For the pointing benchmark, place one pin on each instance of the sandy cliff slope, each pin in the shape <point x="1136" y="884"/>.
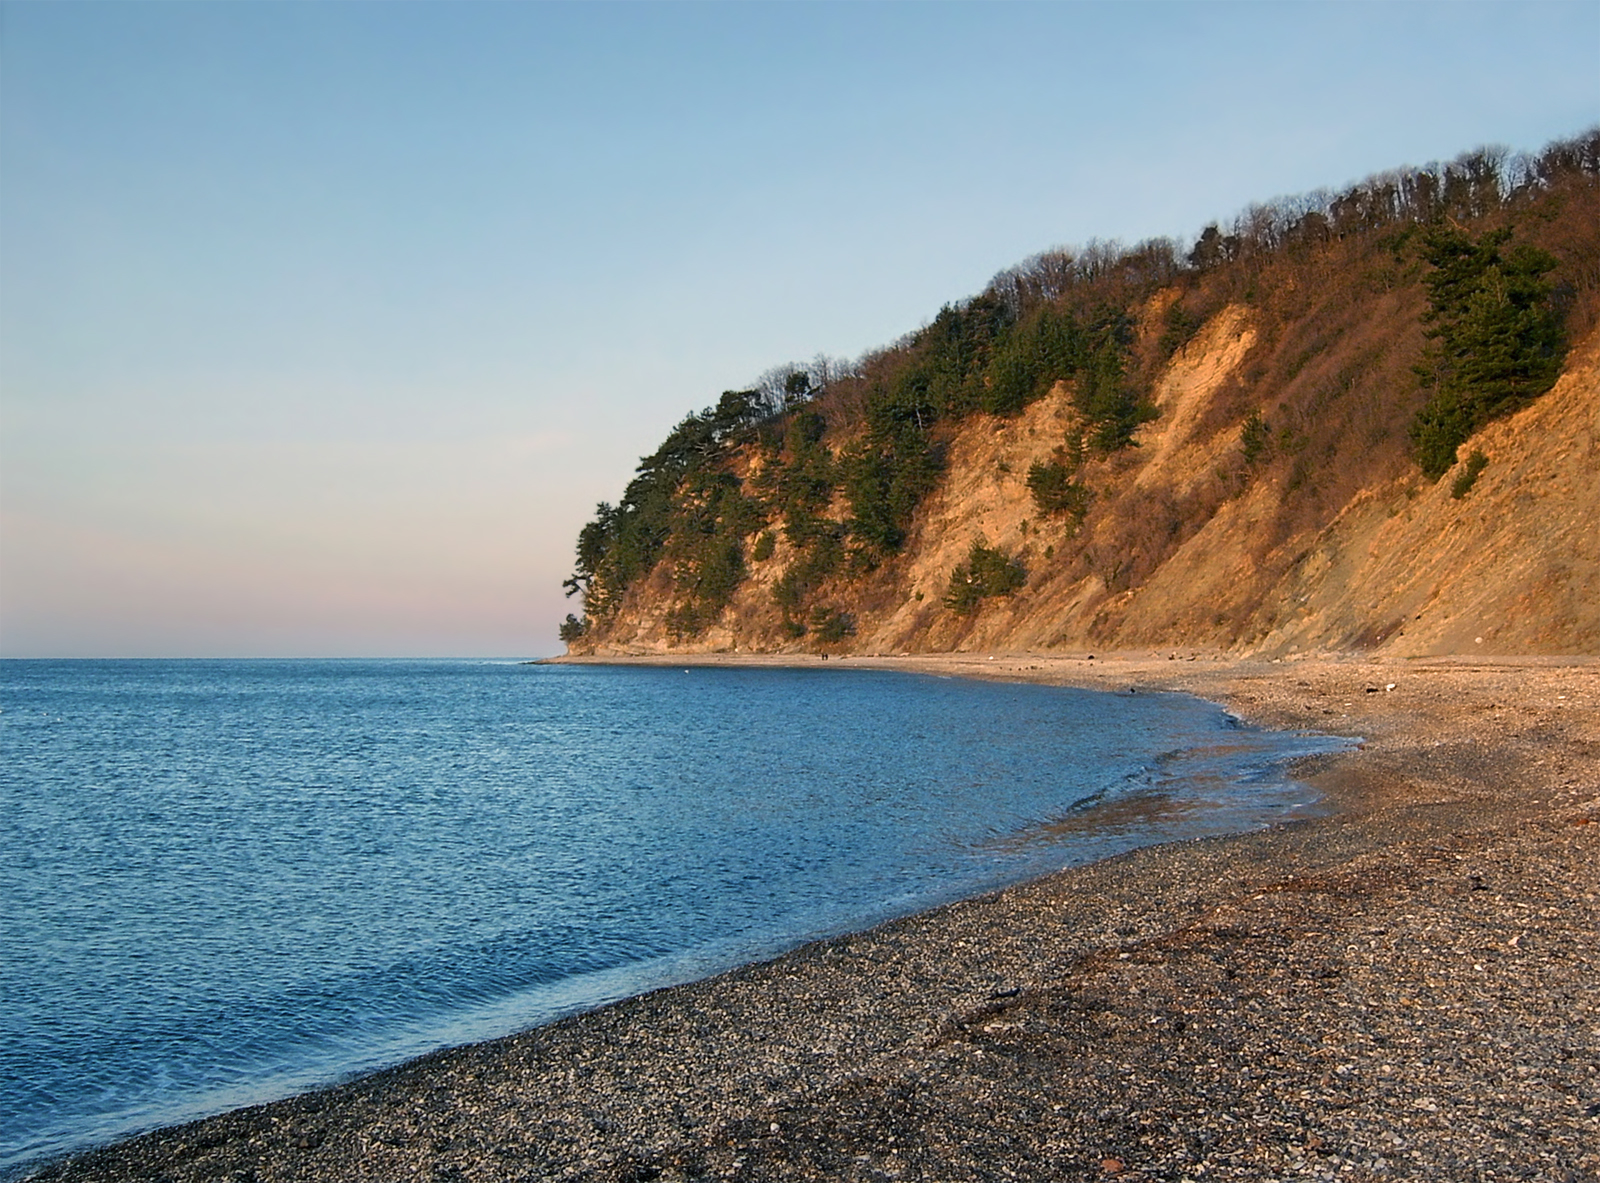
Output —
<point x="1185" y="545"/>
<point x="1512" y="567"/>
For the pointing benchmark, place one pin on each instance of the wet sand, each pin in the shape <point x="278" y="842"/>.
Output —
<point x="1408" y="989"/>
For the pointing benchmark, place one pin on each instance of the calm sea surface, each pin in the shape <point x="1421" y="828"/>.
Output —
<point x="222" y="882"/>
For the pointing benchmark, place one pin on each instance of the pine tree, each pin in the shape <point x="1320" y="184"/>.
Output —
<point x="1495" y="339"/>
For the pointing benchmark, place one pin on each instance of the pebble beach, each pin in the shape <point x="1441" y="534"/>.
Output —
<point x="1405" y="988"/>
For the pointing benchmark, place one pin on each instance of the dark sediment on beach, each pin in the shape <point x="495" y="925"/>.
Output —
<point x="1407" y="989"/>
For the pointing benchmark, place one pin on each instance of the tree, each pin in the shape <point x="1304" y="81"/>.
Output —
<point x="1255" y="439"/>
<point x="803" y="482"/>
<point x="1213" y="248"/>
<point x="1045" y="347"/>
<point x="593" y="542"/>
<point x="1056" y="493"/>
<point x="1104" y="395"/>
<point x="1495" y="338"/>
<point x="987" y="572"/>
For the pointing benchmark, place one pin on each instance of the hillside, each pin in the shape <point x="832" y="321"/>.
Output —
<point x="1364" y="421"/>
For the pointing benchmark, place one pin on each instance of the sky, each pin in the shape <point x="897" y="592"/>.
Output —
<point x="323" y="327"/>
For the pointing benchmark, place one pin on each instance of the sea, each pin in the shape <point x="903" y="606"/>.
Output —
<point x="223" y="882"/>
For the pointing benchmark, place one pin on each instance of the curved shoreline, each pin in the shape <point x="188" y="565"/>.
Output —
<point x="1410" y="988"/>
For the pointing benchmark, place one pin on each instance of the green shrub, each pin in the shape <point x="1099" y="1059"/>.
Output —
<point x="764" y="546"/>
<point x="1255" y="441"/>
<point x="1475" y="465"/>
<point x="1181" y="326"/>
<point x="1056" y="493"/>
<point x="987" y="572"/>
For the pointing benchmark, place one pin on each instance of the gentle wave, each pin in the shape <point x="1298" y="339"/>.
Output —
<point x="222" y="882"/>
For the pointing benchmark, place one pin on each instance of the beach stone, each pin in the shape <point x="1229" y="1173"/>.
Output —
<point x="1334" y="1021"/>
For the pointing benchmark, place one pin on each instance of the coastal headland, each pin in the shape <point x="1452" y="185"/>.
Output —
<point x="1407" y="988"/>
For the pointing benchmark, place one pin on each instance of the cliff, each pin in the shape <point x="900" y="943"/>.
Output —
<point x="1267" y="497"/>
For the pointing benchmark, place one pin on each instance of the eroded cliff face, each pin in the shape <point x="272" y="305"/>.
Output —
<point x="1511" y="567"/>
<point x="1187" y="544"/>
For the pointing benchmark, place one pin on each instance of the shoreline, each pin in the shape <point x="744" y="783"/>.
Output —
<point x="1408" y="988"/>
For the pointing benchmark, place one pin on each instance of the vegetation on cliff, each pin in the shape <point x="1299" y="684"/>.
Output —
<point x="1496" y="336"/>
<point x="988" y="571"/>
<point x="1391" y="320"/>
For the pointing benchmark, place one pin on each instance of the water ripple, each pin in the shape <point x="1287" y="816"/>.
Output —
<point x="226" y="881"/>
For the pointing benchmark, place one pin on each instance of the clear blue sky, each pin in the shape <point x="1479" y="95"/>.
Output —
<point x="324" y="326"/>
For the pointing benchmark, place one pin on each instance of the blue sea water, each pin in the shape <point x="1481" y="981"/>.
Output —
<point x="227" y="881"/>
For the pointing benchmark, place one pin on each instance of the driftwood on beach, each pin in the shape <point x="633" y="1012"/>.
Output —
<point x="1409" y="988"/>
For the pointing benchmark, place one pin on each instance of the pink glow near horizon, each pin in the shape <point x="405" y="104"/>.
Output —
<point x="324" y="327"/>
